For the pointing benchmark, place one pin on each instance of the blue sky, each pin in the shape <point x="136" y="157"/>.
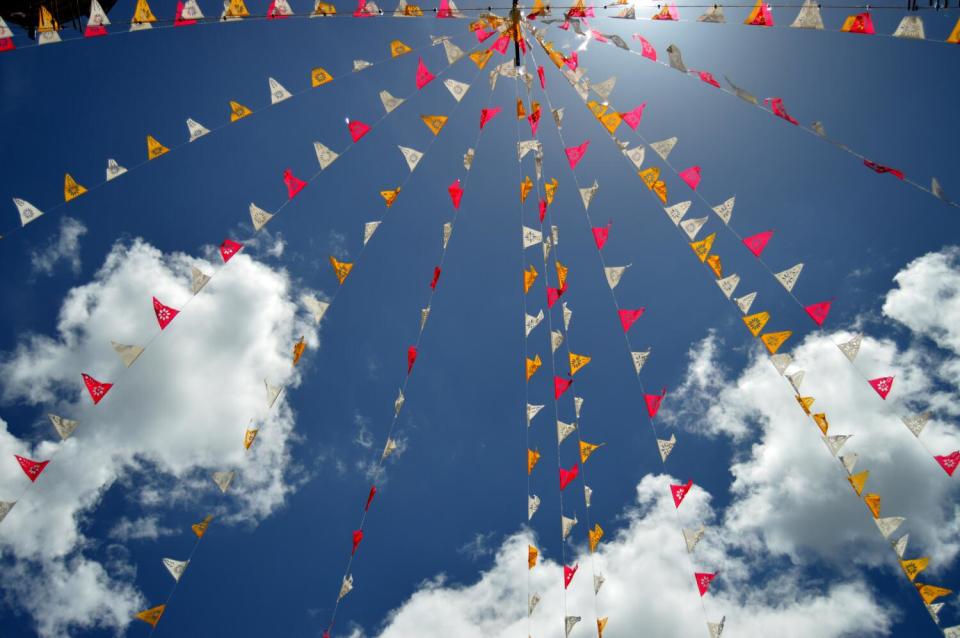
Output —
<point x="454" y="499"/>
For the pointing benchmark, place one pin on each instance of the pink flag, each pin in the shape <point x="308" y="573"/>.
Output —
<point x="361" y="11"/>
<point x="357" y="130"/>
<point x="553" y="294"/>
<point x="456" y="193"/>
<point x="703" y="581"/>
<point x="599" y="37"/>
<point x="228" y="249"/>
<point x="647" y="49"/>
<point x="949" y="462"/>
<point x="707" y="77"/>
<point x="756" y="243"/>
<point x="880" y="168"/>
<point x="680" y="492"/>
<point x="565" y="26"/>
<point x="543" y="209"/>
<point x="165" y="314"/>
<point x="373" y="492"/>
<point x="6" y="44"/>
<point x="488" y="114"/>
<point x="632" y="118"/>
<point x="560" y="386"/>
<point x="436" y="278"/>
<point x="272" y="13"/>
<point x="568" y="475"/>
<point x="543" y="79"/>
<point x="424" y="77"/>
<point x="92" y="31"/>
<point x="572" y="61"/>
<point x="600" y="234"/>
<point x="294" y="184"/>
<point x="653" y="402"/>
<point x="32" y="468"/>
<point x="628" y="317"/>
<point x="568" y="574"/>
<point x="691" y="176"/>
<point x="411" y="358"/>
<point x="500" y="46"/>
<point x="482" y="34"/>
<point x="882" y="385"/>
<point x="444" y="10"/>
<point x="819" y="311"/>
<point x="178" y="20"/>
<point x="576" y="153"/>
<point x="534" y="119"/>
<point x="776" y="105"/>
<point x="96" y="389"/>
<point x="357" y="537"/>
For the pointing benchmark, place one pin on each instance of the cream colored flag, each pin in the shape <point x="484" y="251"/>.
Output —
<point x="692" y="226"/>
<point x="916" y="422"/>
<point x="781" y="361"/>
<point x="64" y="427"/>
<point x="532" y="321"/>
<point x="316" y="307"/>
<point x="716" y="628"/>
<point x="531" y="237"/>
<point x="745" y="302"/>
<point x="176" y="567"/>
<point x="564" y="430"/>
<point x="28" y="212"/>
<point x="273" y="391"/>
<point x="605" y="88"/>
<point x="852" y="347"/>
<point x="389" y="102"/>
<point x="729" y="284"/>
<point x="725" y="210"/>
<point x="360" y="65"/>
<point x="198" y="279"/>
<point x="567" y="315"/>
<point x="849" y="462"/>
<point x="453" y="52"/>
<point x="566" y="525"/>
<point x="666" y="446"/>
<point x="532" y="411"/>
<point x="412" y="156"/>
<point x="640" y="359"/>
<point x="259" y="217"/>
<point x="526" y="146"/>
<point x="636" y="156"/>
<point x="663" y="147"/>
<point x="223" y="480"/>
<point x="889" y="525"/>
<point x="692" y="537"/>
<point x="468" y="158"/>
<point x="788" y="278"/>
<point x="598" y="581"/>
<point x="388" y="449"/>
<point x="532" y="603"/>
<point x="345" y="587"/>
<point x="900" y="545"/>
<point x="368" y="230"/>
<point x="677" y="211"/>
<point x="796" y="379"/>
<point x="5" y="507"/>
<point x="277" y="92"/>
<point x="533" y="503"/>
<point x="835" y="442"/>
<point x="556" y="340"/>
<point x="713" y="14"/>
<point x="577" y="404"/>
<point x="557" y="116"/>
<point x="114" y="170"/>
<point x="398" y="402"/>
<point x="809" y="16"/>
<point x="447" y="233"/>
<point x="910" y="27"/>
<point x="457" y="89"/>
<point x="196" y="130"/>
<point x="191" y="11"/>
<point x="424" y="315"/>
<point x="128" y="354"/>
<point x="615" y="274"/>
<point x="587" y="194"/>
<point x="569" y="623"/>
<point x="587" y="494"/>
<point x="325" y="156"/>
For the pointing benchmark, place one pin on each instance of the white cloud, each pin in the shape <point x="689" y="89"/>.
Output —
<point x="179" y="413"/>
<point x="927" y="299"/>
<point x="143" y="528"/>
<point x="64" y="247"/>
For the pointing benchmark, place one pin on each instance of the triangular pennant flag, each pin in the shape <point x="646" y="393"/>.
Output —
<point x="587" y="493"/>
<point x="165" y="314"/>
<point x="566" y="476"/>
<point x="388" y="449"/>
<point x="819" y="311"/>
<point x="677" y="211"/>
<point x="809" y="16"/>
<point x="532" y="411"/>
<point x="529" y="276"/>
<point x="781" y="362"/>
<point x="128" y="354"/>
<point x="532" y="554"/>
<point x="411" y="358"/>
<point x="568" y="574"/>
<point x="702" y="248"/>
<point x="889" y="525"/>
<point x="277" y="92"/>
<point x="531" y="237"/>
<point x="532" y="457"/>
<point x="319" y="76"/>
<point x="64" y="427"/>
<point x="294" y="184"/>
<point x="636" y="156"/>
<point x="691" y="176"/>
<point x="614" y="274"/>
<point x="238" y="111"/>
<point x="176" y="567"/>
<point x="679" y="492"/>
<point x="756" y="243"/>
<point x="587" y="194"/>
<point x="713" y="261"/>
<point x="930" y="593"/>
<point x="456" y="193"/>
<point x="532" y="321"/>
<point x="96" y="389"/>
<point x="398" y="402"/>
<point x="576" y="153"/>
<point x="586" y="449"/>
<point x="949" y="462"/>
<point x="653" y="402"/>
<point x="198" y="279"/>
<point x="728" y="284"/>
<point x="114" y="169"/>
<point x="900" y="545"/>
<point x="28" y="212"/>
<point x="566" y="526"/>
<point x="756" y="322"/>
<point x="273" y="391"/>
<point x="434" y="122"/>
<point x="852" y="347"/>
<point x="873" y="504"/>
<point x="228" y="249"/>
<point x="457" y="89"/>
<point x="340" y="268"/>
<point x="910" y="27"/>
<point x="639" y="359"/>
<point x="560" y="385"/>
<point x="325" y="156"/>
<point x="223" y="480"/>
<point x="298" y="349"/>
<point x="916" y="422"/>
<point x="716" y="628"/>
<point x="664" y="147"/>
<point x="788" y="278"/>
<point x="71" y="189"/>
<point x="345" y="587"/>
<point x="452" y="51"/>
<point x="533" y="503"/>
<point x="773" y="340"/>
<point x="357" y="128"/>
<point x="859" y="481"/>
<point x="316" y="307"/>
<point x="411" y="155"/>
<point x="882" y="385"/>
<point x="249" y="436"/>
<point x="423" y="77"/>
<point x="201" y="528"/>
<point x="556" y="340"/>
<point x="259" y="217"/>
<point x="398" y="48"/>
<point x="532" y="365"/>
<point x="692" y="226"/>
<point x="30" y="467"/>
<point x="849" y="462"/>
<point x="805" y="403"/>
<point x="577" y="361"/>
<point x="835" y="442"/>
<point x="628" y="317"/>
<point x="488" y="114"/>
<point x="468" y="158"/>
<point x="569" y="622"/>
<point x="151" y="616"/>
<point x="745" y="302"/>
<point x="703" y="581"/>
<point x="593" y="537"/>
<point x="5" y="506"/>
<point x="820" y="418"/>
<point x="692" y="536"/>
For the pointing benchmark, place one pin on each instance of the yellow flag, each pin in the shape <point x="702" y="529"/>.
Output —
<point x="532" y="457"/>
<point x="237" y="9"/>
<point x="532" y="554"/>
<point x="577" y="361"/>
<point x="529" y="276"/>
<point x="598" y="110"/>
<point x="390" y="196"/>
<point x="859" y="481"/>
<point x="537" y="7"/>
<point x="611" y="121"/>
<point x="413" y="10"/>
<point x="650" y="177"/>
<point x="398" y="48"/>
<point x="341" y="268"/>
<point x="955" y="34"/>
<point x="71" y="189"/>
<point x="601" y="623"/>
<point x="805" y="403"/>
<point x="525" y="187"/>
<point x="238" y="111"/>
<point x="773" y="340"/>
<point x="561" y="275"/>
<point x="480" y="58"/>
<point x="154" y="148"/>
<point x="46" y="22"/>
<point x="821" y="420"/>
<point x="930" y="593"/>
<point x="201" y="528"/>
<point x="549" y="190"/>
<point x="586" y="449"/>
<point x="702" y="247"/>
<point x="714" y="262"/>
<point x="532" y="366"/>
<point x="325" y="9"/>
<point x="873" y="502"/>
<point x="151" y="616"/>
<point x="298" y="349"/>
<point x="521" y="112"/>
<point x="249" y="436"/>
<point x="143" y="13"/>
<point x="319" y="77"/>
<point x="434" y="122"/>
<point x="756" y="322"/>
<point x="556" y="57"/>
<point x="660" y="188"/>
<point x="595" y="535"/>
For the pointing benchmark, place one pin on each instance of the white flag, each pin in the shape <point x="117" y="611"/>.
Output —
<point x="316" y="307"/>
<point x="196" y="130"/>
<point x="368" y="230"/>
<point x="457" y="89"/>
<point x="788" y="278"/>
<point x="277" y="92"/>
<point x="663" y="147"/>
<point x="127" y="353"/>
<point x="259" y="217"/>
<point x="325" y="156"/>
<point x="412" y="156"/>
<point x="175" y="567"/>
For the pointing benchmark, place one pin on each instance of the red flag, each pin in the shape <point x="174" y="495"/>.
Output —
<point x="632" y="118"/>
<point x="96" y="389"/>
<point x="357" y="128"/>
<point x="411" y="358"/>
<point x="880" y="168"/>
<point x="572" y="61"/>
<point x="543" y="209"/>
<point x="707" y="77"/>
<point x="500" y="46"/>
<point x="361" y="11"/>
<point x="92" y="31"/>
<point x="294" y="184"/>
<point x="599" y="37"/>
<point x="600" y="234"/>
<point x="523" y="45"/>
<point x="560" y="386"/>
<point x="31" y="468"/>
<point x="647" y="49"/>
<point x="553" y="294"/>
<point x="373" y="492"/>
<point x="756" y="243"/>
<point x="653" y="402"/>
<point x="882" y="385"/>
<point x="534" y="120"/>
<point x="436" y="277"/>
<point x="819" y="311"/>
<point x="424" y="77"/>
<point x="568" y="475"/>
<point x="483" y="34"/>
<point x="6" y="44"/>
<point x="680" y="492"/>
<point x="178" y="20"/>
<point x="949" y="462"/>
<point x="691" y="176"/>
<point x="543" y="79"/>
<point x="488" y="114"/>
<point x="568" y="574"/>
<point x="776" y="105"/>
<point x="272" y="13"/>
<point x="576" y="153"/>
<point x="861" y="23"/>
<point x="228" y="249"/>
<point x="357" y="537"/>
<point x="444" y="10"/>
<point x="165" y="314"/>
<point x="565" y="26"/>
<point x="455" y="193"/>
<point x="703" y="581"/>
<point x="627" y="317"/>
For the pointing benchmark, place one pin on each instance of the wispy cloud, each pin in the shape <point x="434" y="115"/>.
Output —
<point x="64" y="247"/>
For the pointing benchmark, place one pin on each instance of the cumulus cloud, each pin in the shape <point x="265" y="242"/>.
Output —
<point x="64" y="247"/>
<point x="175" y="416"/>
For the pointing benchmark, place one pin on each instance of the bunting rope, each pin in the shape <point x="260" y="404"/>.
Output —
<point x="886" y="526"/>
<point x="787" y="279"/>
<point x="664" y="446"/>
